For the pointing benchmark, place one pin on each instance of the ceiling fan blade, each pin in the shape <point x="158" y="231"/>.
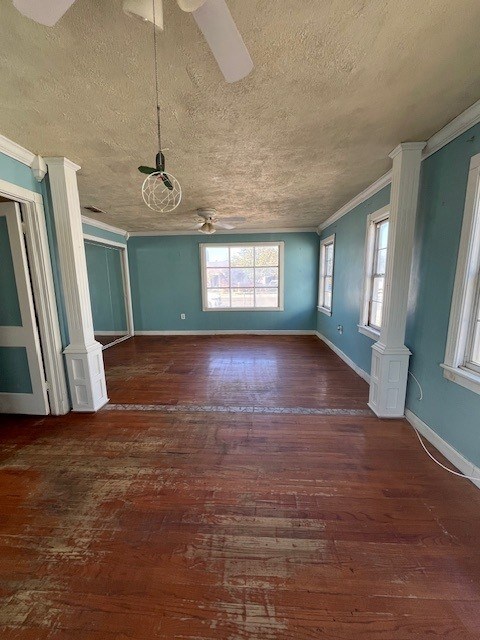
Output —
<point x="143" y="9"/>
<point x="224" y="225"/>
<point x="190" y="5"/>
<point x="216" y="23"/>
<point x="47" y="12"/>
<point x="147" y="170"/>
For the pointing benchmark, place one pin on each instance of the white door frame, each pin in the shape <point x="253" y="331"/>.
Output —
<point x="127" y="292"/>
<point x="41" y="275"/>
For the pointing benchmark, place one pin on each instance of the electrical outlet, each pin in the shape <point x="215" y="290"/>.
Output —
<point x="340" y="329"/>
<point x="182" y="316"/>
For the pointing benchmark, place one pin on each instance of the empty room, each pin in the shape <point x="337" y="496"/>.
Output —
<point x="239" y="320"/>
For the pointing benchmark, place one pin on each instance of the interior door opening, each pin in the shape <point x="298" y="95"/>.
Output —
<point x="23" y="385"/>
<point x="109" y="284"/>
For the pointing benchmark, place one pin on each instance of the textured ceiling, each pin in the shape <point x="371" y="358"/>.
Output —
<point x="337" y="84"/>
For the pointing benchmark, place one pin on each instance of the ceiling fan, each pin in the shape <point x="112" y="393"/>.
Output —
<point x="208" y="221"/>
<point x="213" y="18"/>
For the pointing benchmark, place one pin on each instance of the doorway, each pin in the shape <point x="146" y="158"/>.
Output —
<point x="23" y="384"/>
<point x="109" y="284"/>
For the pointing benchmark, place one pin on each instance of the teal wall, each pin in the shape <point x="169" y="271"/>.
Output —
<point x="18" y="173"/>
<point x="350" y="231"/>
<point x="451" y="410"/>
<point x="165" y="279"/>
<point x="103" y="234"/>
<point x="105" y="280"/>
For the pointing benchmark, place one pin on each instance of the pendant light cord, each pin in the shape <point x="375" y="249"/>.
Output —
<point x="159" y="135"/>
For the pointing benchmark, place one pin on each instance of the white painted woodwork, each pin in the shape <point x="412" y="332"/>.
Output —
<point x="26" y="335"/>
<point x="466" y="289"/>
<point x="83" y="355"/>
<point x="43" y="288"/>
<point x="390" y="356"/>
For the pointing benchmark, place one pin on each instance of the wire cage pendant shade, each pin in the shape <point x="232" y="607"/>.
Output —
<point x="157" y="195"/>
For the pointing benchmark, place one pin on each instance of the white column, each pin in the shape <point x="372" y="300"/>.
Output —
<point x="390" y="356"/>
<point x="83" y="355"/>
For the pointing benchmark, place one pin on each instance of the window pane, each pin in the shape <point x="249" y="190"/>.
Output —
<point x="266" y="277"/>
<point x="327" y="292"/>
<point x="266" y="256"/>
<point x="241" y="256"/>
<point x="266" y="297"/>
<point x="218" y="298"/>
<point x="329" y="259"/>
<point x="243" y="298"/>
<point x="381" y="265"/>
<point x="382" y="234"/>
<point x="241" y="277"/>
<point x="216" y="256"/>
<point x="476" y="344"/>
<point x="376" y="315"/>
<point x="218" y="278"/>
<point x="378" y="287"/>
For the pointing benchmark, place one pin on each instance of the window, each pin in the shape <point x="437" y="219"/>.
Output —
<point x="375" y="273"/>
<point x="462" y="356"/>
<point x="242" y="276"/>
<point x="325" y="283"/>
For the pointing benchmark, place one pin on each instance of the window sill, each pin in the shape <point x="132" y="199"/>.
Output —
<point x="327" y="312"/>
<point x="368" y="331"/>
<point x="465" y="378"/>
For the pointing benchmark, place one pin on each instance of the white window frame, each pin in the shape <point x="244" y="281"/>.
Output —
<point x="372" y="220"/>
<point x="203" y="268"/>
<point x="466" y="291"/>
<point x="321" y="277"/>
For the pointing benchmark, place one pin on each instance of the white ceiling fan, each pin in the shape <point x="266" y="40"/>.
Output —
<point x="213" y="18"/>
<point x="208" y="221"/>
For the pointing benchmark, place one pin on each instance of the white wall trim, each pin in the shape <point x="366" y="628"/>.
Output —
<point x="232" y="232"/>
<point x="83" y="355"/>
<point x="230" y="332"/>
<point x="367" y="193"/>
<point x="43" y="292"/>
<point x="467" y="119"/>
<point x="446" y="449"/>
<point x="109" y="243"/>
<point x="363" y="374"/>
<point x="106" y="227"/>
<point x="15" y="151"/>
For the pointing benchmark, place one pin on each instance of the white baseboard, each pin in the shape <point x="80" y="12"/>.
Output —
<point x="110" y="333"/>
<point x="228" y="332"/>
<point x="452" y="455"/>
<point x="363" y="374"/>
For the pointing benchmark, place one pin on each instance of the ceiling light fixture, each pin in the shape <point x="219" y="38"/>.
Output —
<point x="161" y="191"/>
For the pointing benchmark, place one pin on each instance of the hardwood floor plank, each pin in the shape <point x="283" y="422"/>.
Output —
<point x="133" y="525"/>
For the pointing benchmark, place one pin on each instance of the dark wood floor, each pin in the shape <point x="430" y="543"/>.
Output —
<point x="285" y="371"/>
<point x="138" y="525"/>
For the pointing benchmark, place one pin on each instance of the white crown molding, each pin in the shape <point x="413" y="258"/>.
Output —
<point x="229" y="232"/>
<point x="367" y="193"/>
<point x="453" y="129"/>
<point x="467" y="119"/>
<point x="106" y="227"/>
<point x="15" y="151"/>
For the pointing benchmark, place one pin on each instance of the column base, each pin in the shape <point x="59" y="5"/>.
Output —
<point x="86" y="377"/>
<point x="388" y="381"/>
